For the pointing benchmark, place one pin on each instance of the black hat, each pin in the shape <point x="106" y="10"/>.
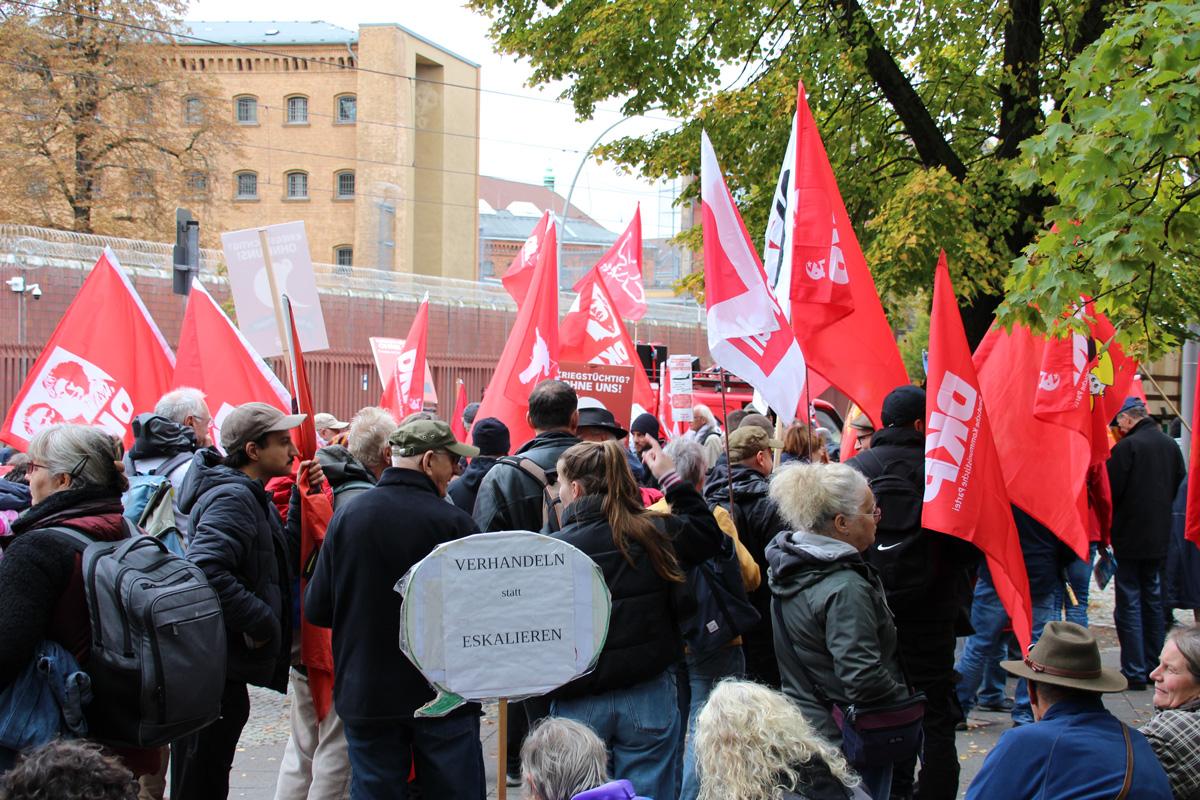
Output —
<point x="903" y="406"/>
<point x="646" y="423"/>
<point x="600" y="417"/>
<point x="469" y="414"/>
<point x="490" y="435"/>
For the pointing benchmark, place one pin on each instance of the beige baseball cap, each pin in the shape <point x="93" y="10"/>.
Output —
<point x="326" y="420"/>
<point x="251" y="421"/>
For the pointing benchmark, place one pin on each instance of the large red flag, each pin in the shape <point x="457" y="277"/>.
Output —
<point x="405" y="394"/>
<point x="316" y="509"/>
<point x="457" y="426"/>
<point x="621" y="269"/>
<point x="1191" y="526"/>
<point x="1045" y="464"/>
<point x="835" y="309"/>
<point x="519" y="275"/>
<point x="105" y="362"/>
<point x="215" y="358"/>
<point x="593" y="333"/>
<point x="748" y="333"/>
<point x="531" y="352"/>
<point x="964" y="486"/>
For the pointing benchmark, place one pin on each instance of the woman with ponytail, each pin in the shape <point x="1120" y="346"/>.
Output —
<point x="76" y="480"/>
<point x="630" y="699"/>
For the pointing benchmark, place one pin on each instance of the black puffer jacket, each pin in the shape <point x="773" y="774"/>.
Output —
<point x="758" y="522"/>
<point x="241" y="544"/>
<point x="1144" y="470"/>
<point x="643" y="632"/>
<point x="511" y="500"/>
<point x="465" y="489"/>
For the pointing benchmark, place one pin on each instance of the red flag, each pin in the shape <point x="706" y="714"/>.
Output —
<point x="1191" y="528"/>
<point x="621" y="269"/>
<point x="531" y="352"/>
<point x="519" y="275"/>
<point x="302" y="402"/>
<point x="835" y="309"/>
<point x="215" y="358"/>
<point x="598" y="336"/>
<point x="748" y="333"/>
<point x="405" y="390"/>
<point x="460" y="406"/>
<point x="1045" y="465"/>
<point x="964" y="486"/>
<point x="105" y="362"/>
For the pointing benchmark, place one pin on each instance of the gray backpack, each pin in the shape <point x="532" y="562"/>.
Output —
<point x="158" y="641"/>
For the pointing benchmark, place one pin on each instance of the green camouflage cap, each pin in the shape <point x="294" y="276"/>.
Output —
<point x="745" y="442"/>
<point x="423" y="435"/>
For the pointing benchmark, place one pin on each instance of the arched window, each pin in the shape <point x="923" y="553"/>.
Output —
<point x="347" y="109"/>
<point x="247" y="185"/>
<point x="193" y="111"/>
<point x="246" y="109"/>
<point x="297" y="185"/>
<point x="297" y="110"/>
<point x="343" y="188"/>
<point x="343" y="255"/>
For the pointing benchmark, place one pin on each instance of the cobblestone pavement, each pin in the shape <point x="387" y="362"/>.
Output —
<point x="265" y="735"/>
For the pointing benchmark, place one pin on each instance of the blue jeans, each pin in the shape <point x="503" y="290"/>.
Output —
<point x="640" y="726"/>
<point x="988" y="644"/>
<point x="1079" y="576"/>
<point x="992" y="690"/>
<point x="1139" y="616"/>
<point x="704" y="672"/>
<point x="877" y="781"/>
<point x="447" y="751"/>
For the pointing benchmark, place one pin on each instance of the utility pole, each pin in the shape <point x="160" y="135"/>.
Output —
<point x="186" y="255"/>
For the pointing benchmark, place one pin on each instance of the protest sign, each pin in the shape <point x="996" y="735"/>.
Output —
<point x="608" y="384"/>
<point x="293" y="276"/>
<point x="385" y="351"/>
<point x="502" y="615"/>
<point x="679" y="368"/>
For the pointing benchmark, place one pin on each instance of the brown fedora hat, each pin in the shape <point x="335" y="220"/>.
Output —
<point x="1067" y="655"/>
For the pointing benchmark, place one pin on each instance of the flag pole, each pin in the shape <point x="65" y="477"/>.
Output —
<point x="502" y="749"/>
<point x="808" y="413"/>
<point x="278" y="306"/>
<point x="728" y="462"/>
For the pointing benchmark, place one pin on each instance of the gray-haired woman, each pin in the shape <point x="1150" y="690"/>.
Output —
<point x="1174" y="732"/>
<point x="562" y="759"/>
<point x="837" y="645"/>
<point x="76" y="481"/>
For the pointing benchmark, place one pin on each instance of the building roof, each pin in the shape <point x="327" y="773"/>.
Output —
<point x="501" y="194"/>
<point x="279" y="33"/>
<point x="506" y="226"/>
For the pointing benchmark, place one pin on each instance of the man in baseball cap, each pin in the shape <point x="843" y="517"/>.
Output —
<point x="371" y="543"/>
<point x="329" y="427"/>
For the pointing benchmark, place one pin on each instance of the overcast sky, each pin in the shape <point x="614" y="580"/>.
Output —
<point x="523" y="130"/>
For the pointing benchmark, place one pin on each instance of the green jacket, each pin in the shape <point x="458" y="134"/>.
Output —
<point x="836" y="624"/>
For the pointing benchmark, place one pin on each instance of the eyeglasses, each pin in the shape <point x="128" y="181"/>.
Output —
<point x="864" y="437"/>
<point x="876" y="515"/>
<point x="32" y="465"/>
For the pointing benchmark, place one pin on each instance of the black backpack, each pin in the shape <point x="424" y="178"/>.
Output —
<point x="722" y="610"/>
<point x="901" y="552"/>
<point x="552" y="509"/>
<point x="157" y="659"/>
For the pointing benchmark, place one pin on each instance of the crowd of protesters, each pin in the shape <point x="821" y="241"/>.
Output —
<point x="771" y="609"/>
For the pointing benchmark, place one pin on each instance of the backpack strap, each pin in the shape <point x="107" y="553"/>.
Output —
<point x="77" y="540"/>
<point x="171" y="464"/>
<point x="551" y="505"/>
<point x="789" y="655"/>
<point x="1128" y="764"/>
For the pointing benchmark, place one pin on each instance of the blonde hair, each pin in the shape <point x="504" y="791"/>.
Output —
<point x="752" y="743"/>
<point x="809" y="496"/>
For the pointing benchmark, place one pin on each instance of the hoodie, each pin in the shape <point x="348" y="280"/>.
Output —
<point x="158" y="440"/>
<point x="838" y="641"/>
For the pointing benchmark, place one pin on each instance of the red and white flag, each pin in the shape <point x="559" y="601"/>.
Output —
<point x="621" y="269"/>
<point x="519" y="275"/>
<point x="593" y="333"/>
<point x="965" y="494"/>
<point x="215" y="358"/>
<point x="530" y="355"/>
<point x="747" y="331"/>
<point x="404" y="394"/>
<point x="820" y="273"/>
<point x="457" y="426"/>
<point x="105" y="362"/>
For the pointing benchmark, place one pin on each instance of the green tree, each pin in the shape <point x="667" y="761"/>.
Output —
<point x="924" y="106"/>
<point x="104" y="131"/>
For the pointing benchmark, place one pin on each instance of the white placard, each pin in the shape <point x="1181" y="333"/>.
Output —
<point x="680" y="369"/>
<point x="510" y="614"/>
<point x="292" y="264"/>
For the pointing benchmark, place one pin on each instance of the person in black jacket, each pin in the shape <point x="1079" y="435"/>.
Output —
<point x="491" y="436"/>
<point x="758" y="521"/>
<point x="630" y="698"/>
<point x="1144" y="471"/>
<point x="926" y="577"/>
<point x="245" y="551"/>
<point x="371" y="543"/>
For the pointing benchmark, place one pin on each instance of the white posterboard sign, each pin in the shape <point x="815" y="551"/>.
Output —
<point x="386" y="352"/>
<point x="680" y="370"/>
<point x="502" y="615"/>
<point x="292" y="264"/>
